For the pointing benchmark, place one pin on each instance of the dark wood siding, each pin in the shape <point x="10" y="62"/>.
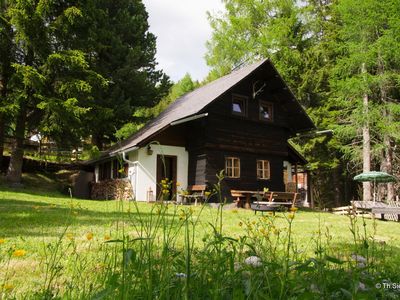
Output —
<point x="246" y="137"/>
<point x="248" y="171"/>
<point x="197" y="168"/>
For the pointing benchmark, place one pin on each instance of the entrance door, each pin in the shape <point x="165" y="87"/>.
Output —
<point x="166" y="170"/>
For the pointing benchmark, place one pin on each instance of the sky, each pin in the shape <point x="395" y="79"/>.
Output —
<point x="182" y="29"/>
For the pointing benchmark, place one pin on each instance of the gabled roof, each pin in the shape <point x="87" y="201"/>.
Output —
<point x="194" y="102"/>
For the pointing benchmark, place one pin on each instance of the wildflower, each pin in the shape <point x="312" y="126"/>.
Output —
<point x="266" y="190"/>
<point x="19" y="253"/>
<point x="253" y="261"/>
<point x="263" y="231"/>
<point x="181" y="275"/>
<point x="2" y="241"/>
<point x="207" y="194"/>
<point x="361" y="287"/>
<point x="293" y="209"/>
<point x="182" y="215"/>
<point x="178" y="183"/>
<point x="107" y="237"/>
<point x="70" y="236"/>
<point x="8" y="287"/>
<point x="89" y="236"/>
<point x="290" y="216"/>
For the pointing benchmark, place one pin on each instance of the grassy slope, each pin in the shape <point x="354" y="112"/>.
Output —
<point x="31" y="217"/>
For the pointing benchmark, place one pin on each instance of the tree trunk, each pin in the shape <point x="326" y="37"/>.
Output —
<point x="387" y="165"/>
<point x="14" y="172"/>
<point x="336" y="186"/>
<point x="97" y="141"/>
<point x="366" y="150"/>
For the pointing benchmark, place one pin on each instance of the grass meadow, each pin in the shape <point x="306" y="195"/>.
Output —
<point x="55" y="247"/>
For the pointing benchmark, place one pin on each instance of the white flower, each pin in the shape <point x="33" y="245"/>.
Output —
<point x="181" y="275"/>
<point x="358" y="258"/>
<point x="361" y="286"/>
<point x="253" y="261"/>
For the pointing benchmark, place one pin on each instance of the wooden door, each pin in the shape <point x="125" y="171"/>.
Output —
<point x="166" y="170"/>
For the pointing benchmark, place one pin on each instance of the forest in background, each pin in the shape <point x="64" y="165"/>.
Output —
<point x="341" y="58"/>
<point x="75" y="71"/>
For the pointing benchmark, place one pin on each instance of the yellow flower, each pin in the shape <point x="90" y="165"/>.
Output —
<point x="70" y="236"/>
<point x="8" y="287"/>
<point x="89" y="236"/>
<point x="2" y="241"/>
<point x="19" y="253"/>
<point x="291" y="216"/>
<point x="293" y="209"/>
<point x="107" y="237"/>
<point x="207" y="194"/>
<point x="178" y="183"/>
<point x="266" y="190"/>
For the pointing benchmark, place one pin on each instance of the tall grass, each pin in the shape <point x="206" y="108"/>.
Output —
<point x="164" y="254"/>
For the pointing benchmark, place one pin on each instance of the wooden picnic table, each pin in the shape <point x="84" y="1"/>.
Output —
<point x="239" y="194"/>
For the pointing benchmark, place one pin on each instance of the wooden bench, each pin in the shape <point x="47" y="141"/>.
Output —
<point x="275" y="201"/>
<point x="386" y="211"/>
<point x="195" y="192"/>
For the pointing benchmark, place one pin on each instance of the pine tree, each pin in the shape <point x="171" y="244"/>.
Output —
<point x="50" y="84"/>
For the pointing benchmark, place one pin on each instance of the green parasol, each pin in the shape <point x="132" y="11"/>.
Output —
<point x="375" y="176"/>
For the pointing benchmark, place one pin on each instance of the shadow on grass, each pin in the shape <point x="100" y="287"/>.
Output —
<point x="32" y="218"/>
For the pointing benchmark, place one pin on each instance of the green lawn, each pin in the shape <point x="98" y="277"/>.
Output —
<point x="35" y="222"/>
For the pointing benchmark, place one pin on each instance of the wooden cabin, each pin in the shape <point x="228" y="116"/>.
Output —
<point x="239" y="123"/>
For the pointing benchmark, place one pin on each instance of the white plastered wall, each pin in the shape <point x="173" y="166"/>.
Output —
<point x="144" y="174"/>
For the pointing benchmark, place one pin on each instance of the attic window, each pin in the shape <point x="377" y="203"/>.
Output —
<point x="239" y="105"/>
<point x="266" y="111"/>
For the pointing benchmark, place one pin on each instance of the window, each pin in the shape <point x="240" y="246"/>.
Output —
<point x="266" y="111"/>
<point x="263" y="169"/>
<point x="239" y="105"/>
<point x="119" y="170"/>
<point x="232" y="167"/>
<point x="105" y="171"/>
